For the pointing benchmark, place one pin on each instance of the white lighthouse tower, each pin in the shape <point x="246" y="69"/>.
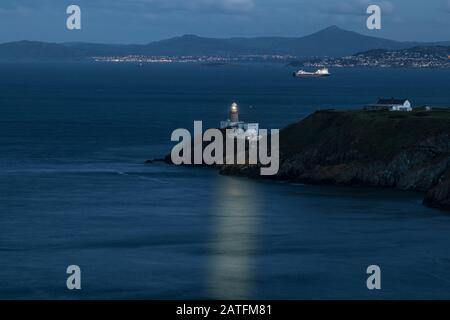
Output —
<point x="240" y="128"/>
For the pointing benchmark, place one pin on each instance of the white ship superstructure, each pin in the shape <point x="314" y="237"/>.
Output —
<point x="323" y="72"/>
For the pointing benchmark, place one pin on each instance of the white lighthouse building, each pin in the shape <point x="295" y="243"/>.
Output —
<point x="240" y="128"/>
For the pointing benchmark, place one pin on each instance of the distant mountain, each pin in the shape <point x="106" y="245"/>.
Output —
<point x="99" y="49"/>
<point x="332" y="41"/>
<point x="37" y="51"/>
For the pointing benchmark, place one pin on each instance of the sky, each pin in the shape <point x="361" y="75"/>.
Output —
<point x="143" y="21"/>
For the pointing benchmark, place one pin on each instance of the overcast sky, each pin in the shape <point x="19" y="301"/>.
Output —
<point x="142" y="21"/>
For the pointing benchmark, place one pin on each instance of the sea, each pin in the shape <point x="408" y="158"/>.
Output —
<point x="74" y="189"/>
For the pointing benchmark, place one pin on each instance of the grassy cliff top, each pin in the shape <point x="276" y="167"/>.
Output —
<point x="376" y="135"/>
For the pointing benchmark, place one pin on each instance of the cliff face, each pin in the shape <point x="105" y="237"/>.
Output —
<point x="439" y="195"/>
<point x="409" y="151"/>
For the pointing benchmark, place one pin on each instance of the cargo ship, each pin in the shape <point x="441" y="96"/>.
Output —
<point x="319" y="73"/>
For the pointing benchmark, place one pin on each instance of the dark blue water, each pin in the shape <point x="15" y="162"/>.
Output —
<point x="74" y="190"/>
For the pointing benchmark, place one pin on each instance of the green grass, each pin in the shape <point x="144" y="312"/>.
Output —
<point x="373" y="134"/>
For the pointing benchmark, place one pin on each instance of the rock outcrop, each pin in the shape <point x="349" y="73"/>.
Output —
<point x="409" y="151"/>
<point x="439" y="195"/>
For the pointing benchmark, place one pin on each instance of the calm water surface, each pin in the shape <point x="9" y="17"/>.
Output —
<point x="74" y="190"/>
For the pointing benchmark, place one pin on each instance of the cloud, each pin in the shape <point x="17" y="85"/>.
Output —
<point x="143" y="6"/>
<point x="217" y="6"/>
<point x="227" y="6"/>
<point x="20" y="8"/>
<point x="355" y="7"/>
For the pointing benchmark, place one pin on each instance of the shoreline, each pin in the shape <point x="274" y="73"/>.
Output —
<point x="359" y="148"/>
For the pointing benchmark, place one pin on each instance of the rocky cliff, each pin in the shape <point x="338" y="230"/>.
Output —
<point x="409" y="151"/>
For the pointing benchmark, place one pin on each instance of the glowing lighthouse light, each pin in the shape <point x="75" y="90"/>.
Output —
<point x="234" y="113"/>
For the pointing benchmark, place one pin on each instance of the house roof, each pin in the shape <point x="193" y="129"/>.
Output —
<point x="391" y="101"/>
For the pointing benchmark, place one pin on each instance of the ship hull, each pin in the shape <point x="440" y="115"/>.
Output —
<point x="310" y="75"/>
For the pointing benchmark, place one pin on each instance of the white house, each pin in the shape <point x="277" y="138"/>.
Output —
<point x="395" y="104"/>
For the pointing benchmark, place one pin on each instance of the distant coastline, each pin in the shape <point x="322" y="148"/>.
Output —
<point x="332" y="42"/>
<point x="417" y="57"/>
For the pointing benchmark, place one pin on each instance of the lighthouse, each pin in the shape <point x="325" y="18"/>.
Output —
<point x="239" y="128"/>
<point x="234" y="113"/>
